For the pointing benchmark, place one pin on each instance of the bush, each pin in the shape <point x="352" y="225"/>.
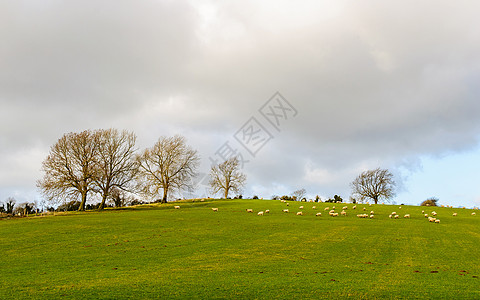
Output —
<point x="255" y="197"/>
<point x="69" y="206"/>
<point x="430" y="202"/>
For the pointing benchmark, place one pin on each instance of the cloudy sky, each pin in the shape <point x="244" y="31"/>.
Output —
<point x="364" y="84"/>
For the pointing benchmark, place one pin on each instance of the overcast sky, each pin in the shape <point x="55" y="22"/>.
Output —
<point x="366" y="83"/>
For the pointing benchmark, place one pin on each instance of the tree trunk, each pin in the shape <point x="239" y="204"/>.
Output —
<point x="104" y="198"/>
<point x="84" y="200"/>
<point x="226" y="193"/>
<point x="376" y="200"/>
<point x="165" y="194"/>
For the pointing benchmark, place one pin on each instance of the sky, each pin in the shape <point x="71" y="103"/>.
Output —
<point x="309" y="93"/>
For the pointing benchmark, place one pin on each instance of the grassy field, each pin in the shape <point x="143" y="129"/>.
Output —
<point x="192" y="252"/>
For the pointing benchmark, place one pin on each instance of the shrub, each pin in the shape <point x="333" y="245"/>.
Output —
<point x="432" y="201"/>
<point x="255" y="197"/>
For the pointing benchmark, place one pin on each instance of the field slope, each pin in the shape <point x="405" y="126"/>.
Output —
<point x="193" y="252"/>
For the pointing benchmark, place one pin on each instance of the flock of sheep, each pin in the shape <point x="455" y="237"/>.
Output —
<point x="331" y="212"/>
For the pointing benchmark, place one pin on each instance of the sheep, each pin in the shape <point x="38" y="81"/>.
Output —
<point x="345" y="208"/>
<point x="343" y="213"/>
<point x="473" y="213"/>
<point x="314" y="207"/>
<point x="390" y="216"/>
<point x="394" y="213"/>
<point x="249" y="210"/>
<point x="407" y="216"/>
<point x="364" y="209"/>
<point x="354" y="207"/>
<point x="285" y="210"/>
<point x="326" y="208"/>
<point x="423" y="211"/>
<point x="430" y="219"/>
<point x="396" y="217"/>
<point x="301" y="207"/>
<point x="372" y="216"/>
<point x="288" y="204"/>
<point x="372" y="213"/>
<point x="370" y="204"/>
<point x="434" y="213"/>
<point x="399" y="207"/>
<point x="318" y="214"/>
<point x="362" y="216"/>
<point x="331" y="212"/>
<point x="437" y="221"/>
<point x="454" y="214"/>
<point x="333" y="207"/>
<point x="335" y="215"/>
<point x="267" y="211"/>
<point x="299" y="213"/>
<point x="425" y="215"/>
<point x="215" y="208"/>
<point x="176" y="207"/>
<point x="260" y="213"/>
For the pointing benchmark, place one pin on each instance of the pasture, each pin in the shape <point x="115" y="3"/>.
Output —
<point x="156" y="251"/>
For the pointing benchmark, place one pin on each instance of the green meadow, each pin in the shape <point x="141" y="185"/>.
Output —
<point x="156" y="251"/>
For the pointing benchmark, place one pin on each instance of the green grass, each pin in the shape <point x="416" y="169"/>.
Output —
<point x="159" y="252"/>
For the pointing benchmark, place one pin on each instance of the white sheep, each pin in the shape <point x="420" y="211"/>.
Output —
<point x="301" y="207"/>
<point x="176" y="207"/>
<point x="326" y="208"/>
<point x="407" y="216"/>
<point x="434" y="213"/>
<point x="394" y="213"/>
<point x="314" y="207"/>
<point x="335" y="215"/>
<point x="437" y="221"/>
<point x="473" y="213"/>
<point x="354" y="207"/>
<point x="318" y="214"/>
<point x="215" y="208"/>
<point x="370" y="204"/>
<point x="267" y="211"/>
<point x="299" y="213"/>
<point x="454" y="214"/>
<point x="372" y="216"/>
<point x="423" y="211"/>
<point x="288" y="204"/>
<point x="431" y="219"/>
<point x="364" y="209"/>
<point x="372" y="213"/>
<point x="343" y="213"/>
<point x="396" y="216"/>
<point x="425" y="215"/>
<point x="249" y="210"/>
<point x="260" y="213"/>
<point x="345" y="208"/>
<point x="285" y="210"/>
<point x="390" y="216"/>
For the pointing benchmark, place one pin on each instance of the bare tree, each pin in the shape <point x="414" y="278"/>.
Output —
<point x="10" y="205"/>
<point x="115" y="163"/>
<point x="169" y="165"/>
<point x="298" y="195"/>
<point x="226" y="177"/>
<point x="374" y="184"/>
<point x="70" y="168"/>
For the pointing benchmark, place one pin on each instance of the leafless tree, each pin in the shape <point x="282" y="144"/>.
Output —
<point x="374" y="184"/>
<point x="169" y="165"/>
<point x="10" y="205"/>
<point x="116" y="166"/>
<point x="69" y="169"/>
<point x="299" y="194"/>
<point x="226" y="177"/>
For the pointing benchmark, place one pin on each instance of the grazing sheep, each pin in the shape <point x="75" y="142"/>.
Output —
<point x="343" y="213"/>
<point x="335" y="215"/>
<point x="390" y="216"/>
<point x="249" y="210"/>
<point x="396" y="216"/>
<point x="399" y="207"/>
<point x="314" y="207"/>
<point x="434" y="213"/>
<point x="426" y="215"/>
<point x="288" y="204"/>
<point x="285" y="210"/>
<point x="301" y="207"/>
<point x="430" y="219"/>
<point x="473" y="214"/>
<point x="299" y="213"/>
<point x="394" y="213"/>
<point x="407" y="216"/>
<point x="354" y="207"/>
<point x="333" y="207"/>
<point x="437" y="221"/>
<point x="267" y="211"/>
<point x="364" y="209"/>
<point x="362" y="216"/>
<point x="423" y="211"/>
<point x="370" y="204"/>
<point x="331" y="212"/>
<point x="260" y="213"/>
<point x="327" y="208"/>
<point x="215" y="208"/>
<point x="372" y="216"/>
<point x="345" y="208"/>
<point x="454" y="214"/>
<point x="372" y="213"/>
<point x="318" y="214"/>
<point x="176" y="207"/>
